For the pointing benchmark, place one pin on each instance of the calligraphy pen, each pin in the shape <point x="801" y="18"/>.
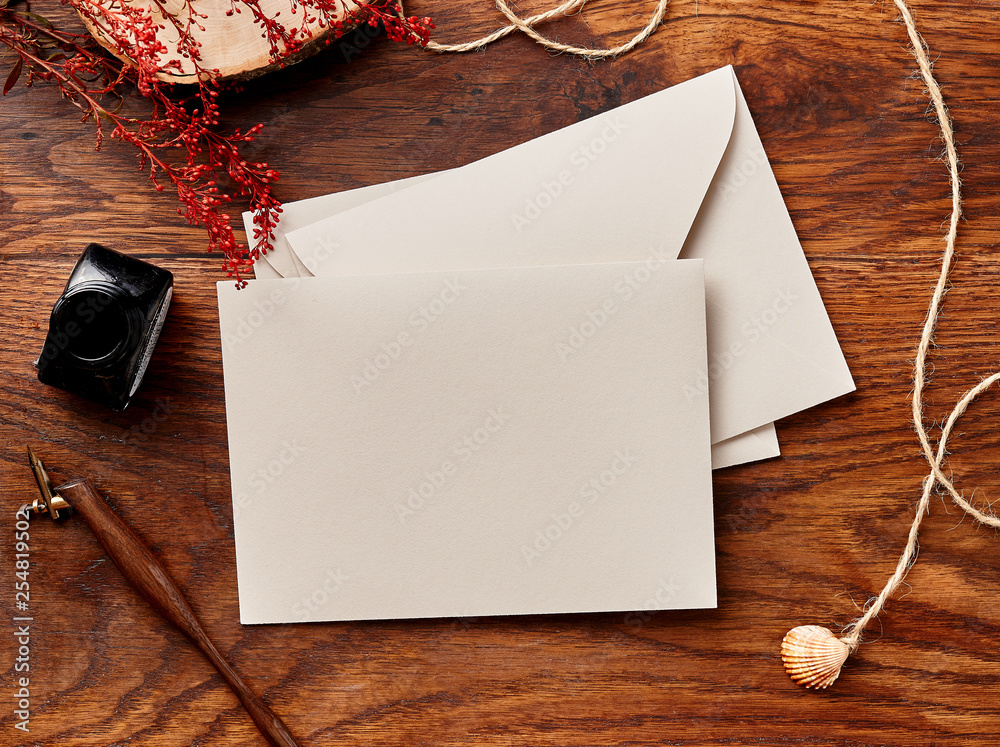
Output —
<point x="151" y="580"/>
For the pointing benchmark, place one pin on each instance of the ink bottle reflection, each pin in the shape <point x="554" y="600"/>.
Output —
<point x="104" y="327"/>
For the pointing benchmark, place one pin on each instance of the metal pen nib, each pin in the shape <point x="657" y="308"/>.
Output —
<point x="50" y="502"/>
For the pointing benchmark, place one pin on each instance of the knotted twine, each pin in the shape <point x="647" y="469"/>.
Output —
<point x="526" y="26"/>
<point x="853" y="632"/>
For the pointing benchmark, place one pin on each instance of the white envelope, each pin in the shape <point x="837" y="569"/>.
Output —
<point x="760" y="443"/>
<point x="281" y="261"/>
<point x="752" y="446"/>
<point x="440" y="444"/>
<point x="629" y="185"/>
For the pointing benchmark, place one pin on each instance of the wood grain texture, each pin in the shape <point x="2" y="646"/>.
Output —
<point x="152" y="581"/>
<point x="801" y="539"/>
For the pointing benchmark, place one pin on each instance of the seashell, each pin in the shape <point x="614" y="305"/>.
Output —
<point x="813" y="656"/>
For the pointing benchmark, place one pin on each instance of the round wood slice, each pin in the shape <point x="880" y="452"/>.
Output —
<point x="233" y="47"/>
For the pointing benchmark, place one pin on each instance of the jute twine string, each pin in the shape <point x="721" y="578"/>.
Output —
<point x="526" y="26"/>
<point x="936" y="477"/>
<point x="810" y="658"/>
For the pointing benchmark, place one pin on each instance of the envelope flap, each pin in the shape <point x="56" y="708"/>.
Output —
<point x="553" y="200"/>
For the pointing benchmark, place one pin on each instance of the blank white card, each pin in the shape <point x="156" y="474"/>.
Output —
<point x="484" y="442"/>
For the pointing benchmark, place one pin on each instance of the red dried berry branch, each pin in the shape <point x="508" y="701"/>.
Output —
<point x="179" y="118"/>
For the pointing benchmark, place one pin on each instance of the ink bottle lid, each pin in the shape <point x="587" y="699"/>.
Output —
<point x="104" y="327"/>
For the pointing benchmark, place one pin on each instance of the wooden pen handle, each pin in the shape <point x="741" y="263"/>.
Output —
<point x="145" y="573"/>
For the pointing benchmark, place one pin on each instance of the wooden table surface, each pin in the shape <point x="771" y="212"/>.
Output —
<point x="804" y="538"/>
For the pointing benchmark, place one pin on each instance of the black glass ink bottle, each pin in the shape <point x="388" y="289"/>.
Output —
<point x="104" y="327"/>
